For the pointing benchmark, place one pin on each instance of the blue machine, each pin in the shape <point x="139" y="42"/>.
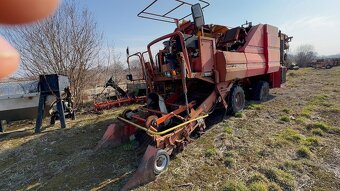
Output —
<point x="53" y="85"/>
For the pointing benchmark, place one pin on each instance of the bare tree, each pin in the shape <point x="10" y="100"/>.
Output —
<point x="115" y="67"/>
<point x="136" y="69"/>
<point x="67" y="43"/>
<point x="305" y="54"/>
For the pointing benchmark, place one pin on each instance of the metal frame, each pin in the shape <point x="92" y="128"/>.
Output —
<point x="141" y="60"/>
<point x="165" y="17"/>
<point x="117" y="103"/>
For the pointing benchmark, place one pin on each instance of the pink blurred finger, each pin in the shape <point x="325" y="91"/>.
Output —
<point x="9" y="58"/>
<point x="25" y="11"/>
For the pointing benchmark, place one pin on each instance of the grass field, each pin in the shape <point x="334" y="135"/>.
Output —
<point x="290" y="142"/>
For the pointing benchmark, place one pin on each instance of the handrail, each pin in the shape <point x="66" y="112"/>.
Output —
<point x="162" y="132"/>
<point x="165" y="17"/>
<point x="185" y="52"/>
<point x="139" y="55"/>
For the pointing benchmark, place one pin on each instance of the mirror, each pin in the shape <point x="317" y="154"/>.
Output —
<point x="197" y="15"/>
<point x="129" y="77"/>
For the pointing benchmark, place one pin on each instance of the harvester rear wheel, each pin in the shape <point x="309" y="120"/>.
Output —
<point x="261" y="91"/>
<point x="162" y="161"/>
<point x="236" y="99"/>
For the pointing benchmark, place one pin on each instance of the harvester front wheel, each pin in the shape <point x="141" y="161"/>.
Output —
<point x="236" y="99"/>
<point x="162" y="161"/>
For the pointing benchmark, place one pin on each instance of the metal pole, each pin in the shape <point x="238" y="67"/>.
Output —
<point x="184" y="81"/>
<point x="60" y="109"/>
<point x="41" y="108"/>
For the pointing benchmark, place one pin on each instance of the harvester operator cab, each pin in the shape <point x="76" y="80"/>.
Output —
<point x="169" y="56"/>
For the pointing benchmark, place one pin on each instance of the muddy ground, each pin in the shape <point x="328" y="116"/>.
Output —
<point x="290" y="142"/>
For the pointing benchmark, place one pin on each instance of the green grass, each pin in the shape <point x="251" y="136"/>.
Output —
<point x="232" y="185"/>
<point x="257" y="177"/>
<point x="258" y="186"/>
<point x="272" y="186"/>
<point x="291" y="135"/>
<point x="306" y="112"/>
<point x="317" y="132"/>
<point x="324" y="127"/>
<point x="301" y="120"/>
<point x="229" y="154"/>
<point x="255" y="106"/>
<point x="210" y="152"/>
<point x="239" y="115"/>
<point x="228" y="130"/>
<point x="282" y="178"/>
<point x="287" y="111"/>
<point x="285" y="118"/>
<point x="291" y="165"/>
<point x="304" y="152"/>
<point x="229" y="162"/>
<point x="311" y="141"/>
<point x="319" y="125"/>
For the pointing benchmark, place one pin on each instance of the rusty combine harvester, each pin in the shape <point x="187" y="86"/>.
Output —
<point x="199" y="67"/>
<point x="121" y="97"/>
<point x="326" y="63"/>
<point x="135" y="93"/>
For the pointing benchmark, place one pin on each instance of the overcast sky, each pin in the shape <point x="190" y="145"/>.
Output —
<point x="315" y="22"/>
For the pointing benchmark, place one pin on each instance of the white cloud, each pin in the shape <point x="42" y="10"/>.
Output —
<point x="320" y="31"/>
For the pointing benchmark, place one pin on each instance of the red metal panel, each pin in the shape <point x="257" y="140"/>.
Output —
<point x="207" y="50"/>
<point x="255" y="64"/>
<point x="259" y="55"/>
<point x="254" y="40"/>
<point x="276" y="79"/>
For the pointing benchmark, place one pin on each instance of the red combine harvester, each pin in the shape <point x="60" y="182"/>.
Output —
<point x="199" y="67"/>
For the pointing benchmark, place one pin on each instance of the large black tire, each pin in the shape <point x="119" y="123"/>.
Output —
<point x="162" y="161"/>
<point x="236" y="99"/>
<point x="261" y="91"/>
<point x="328" y="66"/>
